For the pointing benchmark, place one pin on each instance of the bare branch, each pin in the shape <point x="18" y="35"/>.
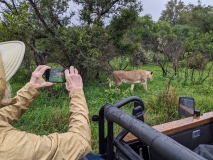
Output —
<point x="40" y="17"/>
<point x="8" y="5"/>
<point x="14" y="6"/>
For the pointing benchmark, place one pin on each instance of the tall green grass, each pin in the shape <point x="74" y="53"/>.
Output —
<point x="48" y="115"/>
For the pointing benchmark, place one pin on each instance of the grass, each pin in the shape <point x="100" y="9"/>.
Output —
<point x="48" y="115"/>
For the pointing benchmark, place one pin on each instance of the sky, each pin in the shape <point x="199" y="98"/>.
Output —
<point x="155" y="7"/>
<point x="152" y="7"/>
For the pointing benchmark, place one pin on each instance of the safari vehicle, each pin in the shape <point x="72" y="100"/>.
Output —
<point x="168" y="141"/>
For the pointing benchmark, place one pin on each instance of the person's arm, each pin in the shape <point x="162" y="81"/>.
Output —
<point x="79" y="119"/>
<point x="79" y="114"/>
<point x="72" y="145"/>
<point x="24" y="97"/>
<point x="76" y="143"/>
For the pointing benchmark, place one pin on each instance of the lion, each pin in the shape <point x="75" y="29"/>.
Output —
<point x="132" y="77"/>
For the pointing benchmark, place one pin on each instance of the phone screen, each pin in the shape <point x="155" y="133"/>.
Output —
<point x="55" y="75"/>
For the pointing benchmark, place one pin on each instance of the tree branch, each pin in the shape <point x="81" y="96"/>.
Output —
<point x="40" y="17"/>
<point x="8" y="5"/>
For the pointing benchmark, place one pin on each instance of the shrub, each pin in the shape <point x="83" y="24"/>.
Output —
<point x="163" y="107"/>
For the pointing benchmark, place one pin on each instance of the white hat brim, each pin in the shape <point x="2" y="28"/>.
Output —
<point x="12" y="54"/>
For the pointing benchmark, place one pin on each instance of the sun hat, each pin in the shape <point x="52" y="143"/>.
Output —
<point x="12" y="54"/>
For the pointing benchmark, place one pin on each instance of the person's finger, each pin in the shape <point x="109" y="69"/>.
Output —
<point x="49" y="84"/>
<point x="66" y="72"/>
<point x="71" y="69"/>
<point x="75" y="71"/>
<point x="80" y="78"/>
<point x="43" y="69"/>
<point x="38" y="68"/>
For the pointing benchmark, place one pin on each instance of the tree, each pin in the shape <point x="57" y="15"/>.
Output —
<point x="145" y="32"/>
<point x="87" y="48"/>
<point x="172" y="12"/>
<point x="33" y="21"/>
<point x="97" y="11"/>
<point x="45" y="28"/>
<point x="119" y="27"/>
<point x="197" y="68"/>
<point x="173" y="50"/>
<point x="202" y="18"/>
<point x="157" y="38"/>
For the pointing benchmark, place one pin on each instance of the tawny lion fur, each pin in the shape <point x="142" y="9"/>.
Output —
<point x="132" y="77"/>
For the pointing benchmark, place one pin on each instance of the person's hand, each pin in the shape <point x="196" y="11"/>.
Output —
<point x="36" y="78"/>
<point x="73" y="79"/>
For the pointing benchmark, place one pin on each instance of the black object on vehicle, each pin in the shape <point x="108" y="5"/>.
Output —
<point x="187" y="107"/>
<point x="106" y="143"/>
<point x="149" y="137"/>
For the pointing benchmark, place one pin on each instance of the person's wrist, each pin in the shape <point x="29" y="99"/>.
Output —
<point x="34" y="85"/>
<point x="75" y="90"/>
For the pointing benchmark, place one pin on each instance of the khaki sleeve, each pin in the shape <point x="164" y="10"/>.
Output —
<point x="72" y="145"/>
<point x="79" y="118"/>
<point x="23" y="99"/>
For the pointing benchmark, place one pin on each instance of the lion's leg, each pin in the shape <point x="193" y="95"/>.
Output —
<point x="118" y="82"/>
<point x="144" y="86"/>
<point x="132" y="86"/>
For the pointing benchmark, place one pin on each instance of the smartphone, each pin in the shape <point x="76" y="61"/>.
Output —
<point x="55" y="75"/>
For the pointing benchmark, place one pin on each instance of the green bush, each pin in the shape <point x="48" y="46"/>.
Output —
<point x="163" y="107"/>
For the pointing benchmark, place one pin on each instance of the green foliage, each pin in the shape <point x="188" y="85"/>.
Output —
<point x="184" y="31"/>
<point x="15" y="23"/>
<point x="204" y="104"/>
<point x="120" y="63"/>
<point x="51" y="114"/>
<point x="118" y="28"/>
<point x="197" y="61"/>
<point x="203" y="96"/>
<point x="119" y="31"/>
<point x="140" y="58"/>
<point x="114" y="95"/>
<point x="18" y="77"/>
<point x="146" y="32"/>
<point x="165" y="30"/>
<point x="93" y="48"/>
<point x="196" y="25"/>
<point x="50" y="37"/>
<point x="96" y="11"/>
<point x="201" y="42"/>
<point x="197" y="16"/>
<point x="172" y="12"/>
<point x="197" y="68"/>
<point x="164" y="107"/>
<point x="86" y="48"/>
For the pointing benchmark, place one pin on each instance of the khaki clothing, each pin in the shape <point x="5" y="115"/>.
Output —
<point x="19" y="145"/>
<point x="2" y="80"/>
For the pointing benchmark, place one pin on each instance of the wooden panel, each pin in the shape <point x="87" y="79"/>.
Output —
<point x="177" y="126"/>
